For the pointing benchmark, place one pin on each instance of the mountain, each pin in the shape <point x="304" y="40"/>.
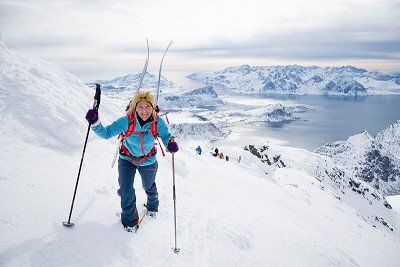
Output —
<point x="203" y="97"/>
<point x="197" y="131"/>
<point x="389" y="138"/>
<point x="128" y="83"/>
<point x="294" y="79"/>
<point x="371" y="205"/>
<point x="368" y="160"/>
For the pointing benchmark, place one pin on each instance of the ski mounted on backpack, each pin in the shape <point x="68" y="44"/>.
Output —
<point x="96" y="105"/>
<point x="156" y="108"/>
<point x="141" y="77"/>
<point x="144" y="69"/>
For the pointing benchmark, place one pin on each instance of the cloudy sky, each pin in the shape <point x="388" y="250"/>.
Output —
<point x="103" y="39"/>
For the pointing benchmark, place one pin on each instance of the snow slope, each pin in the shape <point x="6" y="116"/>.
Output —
<point x="228" y="213"/>
<point x="38" y="97"/>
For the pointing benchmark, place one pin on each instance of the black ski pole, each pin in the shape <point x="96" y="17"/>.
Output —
<point x="176" y="249"/>
<point x="96" y="105"/>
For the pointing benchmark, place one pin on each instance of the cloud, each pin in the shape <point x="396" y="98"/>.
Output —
<point x="327" y="43"/>
<point x="76" y="33"/>
<point x="45" y="42"/>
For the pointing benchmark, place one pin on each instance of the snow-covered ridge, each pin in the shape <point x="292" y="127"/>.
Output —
<point x="128" y="83"/>
<point x="367" y="159"/>
<point x="370" y="204"/>
<point x="390" y="138"/>
<point x="294" y="79"/>
<point x="203" y="97"/>
<point x="42" y="103"/>
<point x="197" y="131"/>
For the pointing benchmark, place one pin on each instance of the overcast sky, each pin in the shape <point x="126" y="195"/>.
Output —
<point x="103" y="39"/>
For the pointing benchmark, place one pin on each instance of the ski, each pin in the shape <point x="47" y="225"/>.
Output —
<point x="146" y="63"/>
<point x="159" y="71"/>
<point x="144" y="69"/>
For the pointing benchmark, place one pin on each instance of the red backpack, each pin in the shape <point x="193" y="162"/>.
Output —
<point x="131" y="130"/>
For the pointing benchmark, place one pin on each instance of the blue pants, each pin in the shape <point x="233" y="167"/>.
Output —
<point x="127" y="170"/>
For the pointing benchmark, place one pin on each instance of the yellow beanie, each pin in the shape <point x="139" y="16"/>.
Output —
<point x="146" y="96"/>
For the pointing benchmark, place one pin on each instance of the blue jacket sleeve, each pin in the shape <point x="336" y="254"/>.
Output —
<point x="117" y="127"/>
<point x="163" y="131"/>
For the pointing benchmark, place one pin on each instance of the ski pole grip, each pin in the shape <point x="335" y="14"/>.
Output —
<point x="97" y="97"/>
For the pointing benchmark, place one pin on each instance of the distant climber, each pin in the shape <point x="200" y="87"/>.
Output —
<point x="215" y="152"/>
<point x="198" y="150"/>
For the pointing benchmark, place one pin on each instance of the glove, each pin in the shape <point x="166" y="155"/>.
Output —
<point x="92" y="115"/>
<point x="172" y="146"/>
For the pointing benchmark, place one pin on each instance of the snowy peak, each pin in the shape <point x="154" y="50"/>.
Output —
<point x="274" y="113"/>
<point x="207" y="90"/>
<point x="129" y="83"/>
<point x="201" y="98"/>
<point x="197" y="131"/>
<point x="345" y="86"/>
<point x="368" y="160"/>
<point x="390" y="138"/>
<point x="294" y="79"/>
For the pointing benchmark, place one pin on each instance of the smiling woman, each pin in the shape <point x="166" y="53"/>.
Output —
<point x="138" y="132"/>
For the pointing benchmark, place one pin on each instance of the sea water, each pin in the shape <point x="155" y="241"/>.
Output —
<point x="332" y="118"/>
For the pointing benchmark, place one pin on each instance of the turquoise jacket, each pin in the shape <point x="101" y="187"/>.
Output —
<point x="132" y="142"/>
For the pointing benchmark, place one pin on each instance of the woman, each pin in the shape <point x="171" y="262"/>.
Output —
<point x="139" y="128"/>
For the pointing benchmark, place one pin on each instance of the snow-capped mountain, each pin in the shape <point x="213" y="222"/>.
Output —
<point x="389" y="138"/>
<point x="197" y="131"/>
<point x="368" y="160"/>
<point x="203" y="97"/>
<point x="293" y="79"/>
<point x="126" y="85"/>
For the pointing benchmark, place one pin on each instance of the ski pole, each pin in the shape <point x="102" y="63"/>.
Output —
<point x="96" y="105"/>
<point x="176" y="249"/>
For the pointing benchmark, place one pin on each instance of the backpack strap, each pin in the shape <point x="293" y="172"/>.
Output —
<point x="131" y="130"/>
<point x="137" y="160"/>
<point x="131" y="124"/>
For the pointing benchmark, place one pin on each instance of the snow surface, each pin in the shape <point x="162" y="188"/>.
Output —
<point x="228" y="213"/>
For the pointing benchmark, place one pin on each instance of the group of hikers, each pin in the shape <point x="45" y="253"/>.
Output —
<point x="215" y="152"/>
